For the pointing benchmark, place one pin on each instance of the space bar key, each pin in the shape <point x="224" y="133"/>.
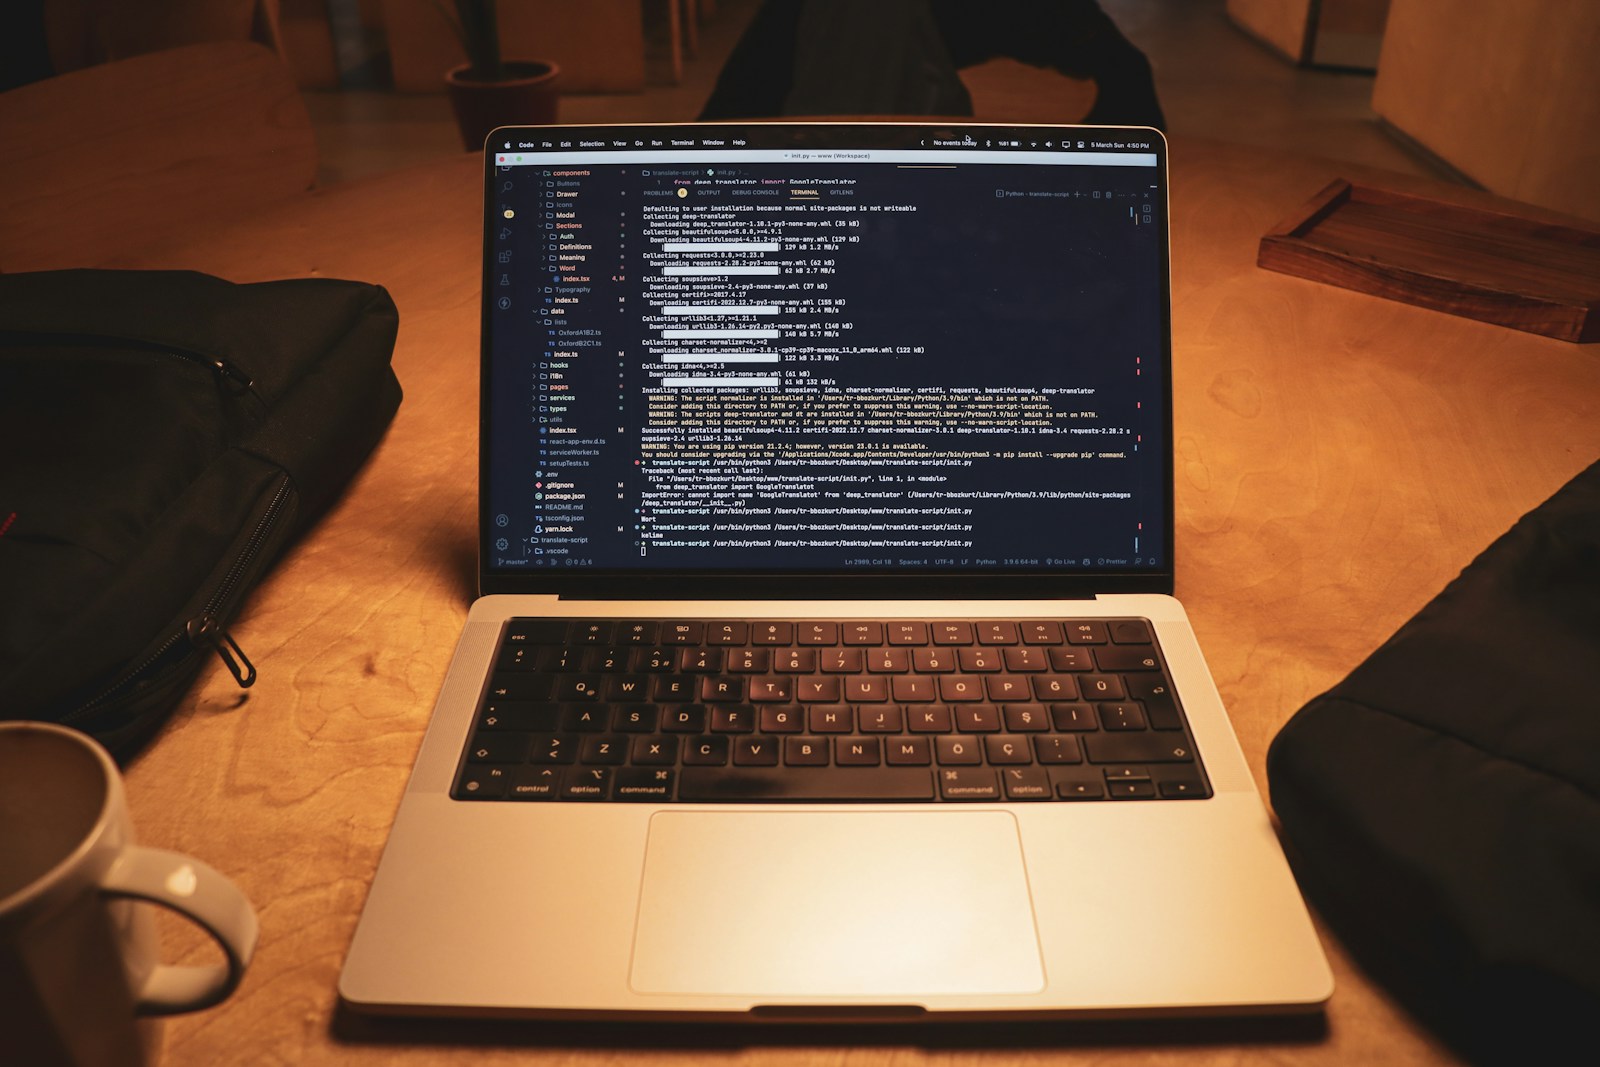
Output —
<point x="805" y="783"/>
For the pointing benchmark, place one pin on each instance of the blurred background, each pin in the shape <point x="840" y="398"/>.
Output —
<point x="1502" y="96"/>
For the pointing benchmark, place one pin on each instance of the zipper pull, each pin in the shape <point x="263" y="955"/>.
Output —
<point x="206" y="631"/>
<point x="229" y="370"/>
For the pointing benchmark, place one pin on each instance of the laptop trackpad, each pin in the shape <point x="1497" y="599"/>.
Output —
<point x="831" y="904"/>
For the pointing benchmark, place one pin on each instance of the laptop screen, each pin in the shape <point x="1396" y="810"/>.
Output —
<point x="914" y="354"/>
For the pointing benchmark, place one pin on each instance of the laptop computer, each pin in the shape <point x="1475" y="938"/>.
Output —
<point x="826" y="664"/>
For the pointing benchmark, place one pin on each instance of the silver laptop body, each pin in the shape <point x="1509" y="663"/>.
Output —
<point x="857" y="385"/>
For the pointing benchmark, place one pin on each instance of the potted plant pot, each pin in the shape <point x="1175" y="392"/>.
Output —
<point x="525" y="94"/>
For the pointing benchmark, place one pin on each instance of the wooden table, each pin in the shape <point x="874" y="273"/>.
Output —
<point x="1339" y="458"/>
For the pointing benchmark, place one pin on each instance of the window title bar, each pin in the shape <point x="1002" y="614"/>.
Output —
<point x="524" y="153"/>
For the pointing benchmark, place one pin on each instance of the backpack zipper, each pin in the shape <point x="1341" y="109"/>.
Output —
<point x="206" y="629"/>
<point x="219" y="365"/>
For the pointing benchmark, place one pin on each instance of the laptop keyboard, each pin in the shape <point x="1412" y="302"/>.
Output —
<point x="821" y="711"/>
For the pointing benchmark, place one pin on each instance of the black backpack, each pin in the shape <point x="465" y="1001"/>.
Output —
<point x="1442" y="804"/>
<point x="163" y="435"/>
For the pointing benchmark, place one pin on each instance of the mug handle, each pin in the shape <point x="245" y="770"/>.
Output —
<point x="198" y="892"/>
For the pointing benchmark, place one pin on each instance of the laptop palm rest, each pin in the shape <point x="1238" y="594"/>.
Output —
<point x="835" y="904"/>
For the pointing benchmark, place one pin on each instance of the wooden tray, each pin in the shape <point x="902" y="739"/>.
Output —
<point x="1493" y="266"/>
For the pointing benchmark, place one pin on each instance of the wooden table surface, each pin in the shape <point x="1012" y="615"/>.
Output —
<point x="1339" y="458"/>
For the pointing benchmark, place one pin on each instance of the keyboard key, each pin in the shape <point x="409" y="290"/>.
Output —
<point x="996" y="633"/>
<point x="1046" y="632"/>
<point x="587" y="783"/>
<point x="683" y="633"/>
<point x="1052" y="748"/>
<point x="1127" y="658"/>
<point x="980" y="660"/>
<point x="482" y="782"/>
<point x="701" y="660"/>
<point x="830" y="719"/>
<point x="684" y="719"/>
<point x="705" y="751"/>
<point x="1007" y="750"/>
<point x="1137" y="748"/>
<point x="553" y="748"/>
<point x="1130" y="632"/>
<point x="1071" y="659"/>
<point x="636" y="719"/>
<point x="1026" y="718"/>
<point x="1073" y="718"/>
<point x="584" y="718"/>
<point x="907" y="751"/>
<point x="536" y="631"/>
<point x="491" y="747"/>
<point x="806" y="783"/>
<point x="889" y="660"/>
<point x="978" y="719"/>
<point x="774" y="690"/>
<point x="957" y="750"/>
<point x="1102" y="687"/>
<point x="749" y="660"/>
<point x="1121" y="715"/>
<point x="521" y="685"/>
<point x="755" y="752"/>
<point x="1026" y="660"/>
<point x="670" y="689"/>
<point x="818" y="690"/>
<point x="857" y="751"/>
<point x="817" y="633"/>
<point x="519" y="715"/>
<point x="637" y="633"/>
<point x="578" y="687"/>
<point x="728" y="633"/>
<point x="1008" y="689"/>
<point x="1086" y="633"/>
<point x="733" y="719"/>
<point x="591" y="633"/>
<point x="795" y="660"/>
<point x="722" y="690"/>
<point x="1159" y="706"/>
<point x="788" y="719"/>
<point x="881" y="719"/>
<point x="772" y="633"/>
<point x="603" y="749"/>
<point x="658" y="751"/>
<point x="1055" y="688"/>
<point x="642" y="783"/>
<point x="1080" y="790"/>
<point x="1026" y="783"/>
<point x="907" y="633"/>
<point x="866" y="689"/>
<point x="535" y="783"/>
<point x="957" y="688"/>
<point x="913" y="689"/>
<point x="841" y="660"/>
<point x="1188" y="787"/>
<point x="861" y="633"/>
<point x="805" y="751"/>
<point x="607" y="660"/>
<point x="968" y="783"/>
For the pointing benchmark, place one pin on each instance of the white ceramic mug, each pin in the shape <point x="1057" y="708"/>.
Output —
<point x="78" y="953"/>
